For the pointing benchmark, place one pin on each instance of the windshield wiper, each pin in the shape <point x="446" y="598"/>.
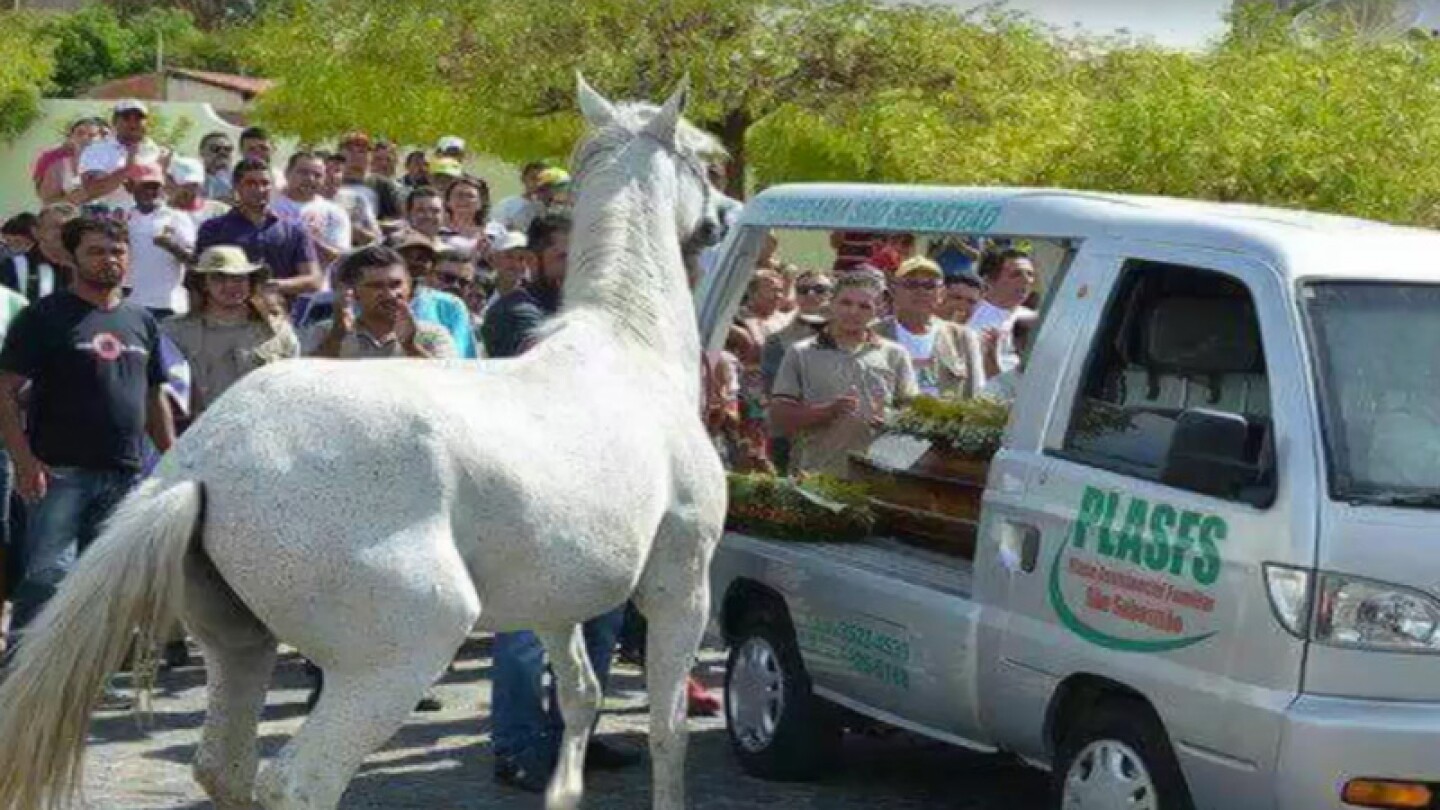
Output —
<point x="1411" y="500"/>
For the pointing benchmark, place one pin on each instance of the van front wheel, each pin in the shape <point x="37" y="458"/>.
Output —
<point x="1117" y="756"/>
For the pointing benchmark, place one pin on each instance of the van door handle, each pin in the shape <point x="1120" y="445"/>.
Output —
<point x="1020" y="546"/>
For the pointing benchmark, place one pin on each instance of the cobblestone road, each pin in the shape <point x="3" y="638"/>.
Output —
<point x="442" y="761"/>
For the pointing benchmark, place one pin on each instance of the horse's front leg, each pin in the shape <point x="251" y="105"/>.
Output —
<point x="578" y="691"/>
<point x="674" y="595"/>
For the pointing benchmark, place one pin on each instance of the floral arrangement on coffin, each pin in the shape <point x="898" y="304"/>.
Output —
<point x="815" y="508"/>
<point x="969" y="428"/>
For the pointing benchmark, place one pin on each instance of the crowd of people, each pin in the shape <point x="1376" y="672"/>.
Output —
<point x="149" y="282"/>
<point x="818" y="358"/>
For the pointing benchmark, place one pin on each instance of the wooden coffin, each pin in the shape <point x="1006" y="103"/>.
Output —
<point x="923" y="494"/>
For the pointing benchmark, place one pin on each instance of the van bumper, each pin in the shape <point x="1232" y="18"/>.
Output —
<point x="1329" y="741"/>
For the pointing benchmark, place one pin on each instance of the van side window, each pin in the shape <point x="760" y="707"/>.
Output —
<point x="1174" y="338"/>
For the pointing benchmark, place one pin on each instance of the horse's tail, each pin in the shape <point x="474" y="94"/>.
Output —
<point x="132" y="577"/>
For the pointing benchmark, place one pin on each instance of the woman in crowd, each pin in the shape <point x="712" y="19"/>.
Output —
<point x="57" y="172"/>
<point x="232" y="328"/>
<point x="467" y="203"/>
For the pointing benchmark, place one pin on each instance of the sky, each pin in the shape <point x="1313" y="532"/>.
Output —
<point x="1176" y="23"/>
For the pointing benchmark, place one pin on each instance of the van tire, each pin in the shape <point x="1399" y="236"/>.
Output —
<point x="1132" y="732"/>
<point x="777" y="727"/>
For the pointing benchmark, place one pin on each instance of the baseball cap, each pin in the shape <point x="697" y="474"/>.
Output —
<point x="450" y="143"/>
<point x="186" y="171"/>
<point x="447" y="167"/>
<point x="553" y="177"/>
<point x="512" y="240"/>
<point x="147" y="173"/>
<point x="129" y="105"/>
<point x="919" y="266"/>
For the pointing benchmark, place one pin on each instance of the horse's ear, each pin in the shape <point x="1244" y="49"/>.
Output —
<point x="663" y="126"/>
<point x="597" y="111"/>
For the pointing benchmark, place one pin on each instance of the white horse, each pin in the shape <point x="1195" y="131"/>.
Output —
<point x="370" y="512"/>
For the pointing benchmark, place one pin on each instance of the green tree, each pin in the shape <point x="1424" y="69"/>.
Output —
<point x="506" y="67"/>
<point x="27" y="57"/>
<point x="1345" y="125"/>
<point x="99" y="43"/>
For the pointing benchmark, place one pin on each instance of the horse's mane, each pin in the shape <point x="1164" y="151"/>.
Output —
<point x="615" y="261"/>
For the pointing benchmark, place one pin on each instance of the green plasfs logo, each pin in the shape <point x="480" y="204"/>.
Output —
<point x="1136" y="576"/>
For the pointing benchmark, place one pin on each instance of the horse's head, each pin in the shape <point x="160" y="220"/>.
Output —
<point x="618" y="128"/>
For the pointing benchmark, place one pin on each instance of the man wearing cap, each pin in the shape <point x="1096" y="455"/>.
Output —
<point x="187" y="191"/>
<point x="514" y="213"/>
<point x="327" y="223"/>
<point x="429" y="304"/>
<point x="106" y="165"/>
<point x="230" y="330"/>
<point x="512" y="261"/>
<point x="161" y="240"/>
<point x="443" y="172"/>
<point x="945" y="355"/>
<point x="451" y="146"/>
<point x="283" y="247"/>
<point x="380" y="193"/>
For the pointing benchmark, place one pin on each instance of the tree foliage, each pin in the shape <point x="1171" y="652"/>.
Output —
<point x="858" y="90"/>
<point x="27" y="57"/>
<point x="99" y="43"/>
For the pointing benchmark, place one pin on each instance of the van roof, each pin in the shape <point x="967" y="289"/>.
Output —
<point x="1296" y="243"/>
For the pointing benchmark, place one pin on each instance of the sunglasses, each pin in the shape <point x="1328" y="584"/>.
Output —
<point x="456" y="281"/>
<point x="813" y="289"/>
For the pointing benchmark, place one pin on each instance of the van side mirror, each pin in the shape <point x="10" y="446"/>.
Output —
<point x="1221" y="454"/>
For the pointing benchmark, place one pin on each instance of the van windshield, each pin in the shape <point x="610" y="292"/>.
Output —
<point x="1375" y="354"/>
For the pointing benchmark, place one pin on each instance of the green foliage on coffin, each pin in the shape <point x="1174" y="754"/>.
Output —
<point x="817" y="508"/>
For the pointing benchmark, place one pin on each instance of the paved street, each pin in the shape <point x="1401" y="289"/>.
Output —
<point x="442" y="760"/>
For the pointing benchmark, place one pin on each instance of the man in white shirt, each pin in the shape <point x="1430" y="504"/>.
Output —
<point x="1010" y="278"/>
<point x="514" y="213"/>
<point x="106" y="165"/>
<point x="301" y="202"/>
<point x="161" y="240"/>
<point x="187" y="191"/>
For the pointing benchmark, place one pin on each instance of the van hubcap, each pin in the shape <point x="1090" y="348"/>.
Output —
<point x="756" y="698"/>
<point x="1109" y="775"/>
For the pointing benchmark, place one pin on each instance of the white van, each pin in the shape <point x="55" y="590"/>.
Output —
<point x="1224" y="594"/>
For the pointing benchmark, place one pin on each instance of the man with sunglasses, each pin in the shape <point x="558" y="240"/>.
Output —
<point x="105" y="165"/>
<point x="455" y="274"/>
<point x="217" y="152"/>
<point x="946" y="356"/>
<point x="813" y="289"/>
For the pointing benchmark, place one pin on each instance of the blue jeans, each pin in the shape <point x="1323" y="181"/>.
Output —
<point x="525" y="717"/>
<point x="60" y="527"/>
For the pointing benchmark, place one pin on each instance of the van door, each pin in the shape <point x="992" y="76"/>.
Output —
<point x="1144" y="577"/>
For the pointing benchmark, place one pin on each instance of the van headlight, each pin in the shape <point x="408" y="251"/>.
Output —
<point x="1355" y="612"/>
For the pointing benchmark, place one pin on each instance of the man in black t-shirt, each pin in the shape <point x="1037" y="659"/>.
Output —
<point x="94" y="366"/>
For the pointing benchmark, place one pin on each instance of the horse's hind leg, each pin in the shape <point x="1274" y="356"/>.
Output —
<point x="578" y="691"/>
<point x="674" y="595"/>
<point x="239" y="658"/>
<point x="379" y="654"/>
